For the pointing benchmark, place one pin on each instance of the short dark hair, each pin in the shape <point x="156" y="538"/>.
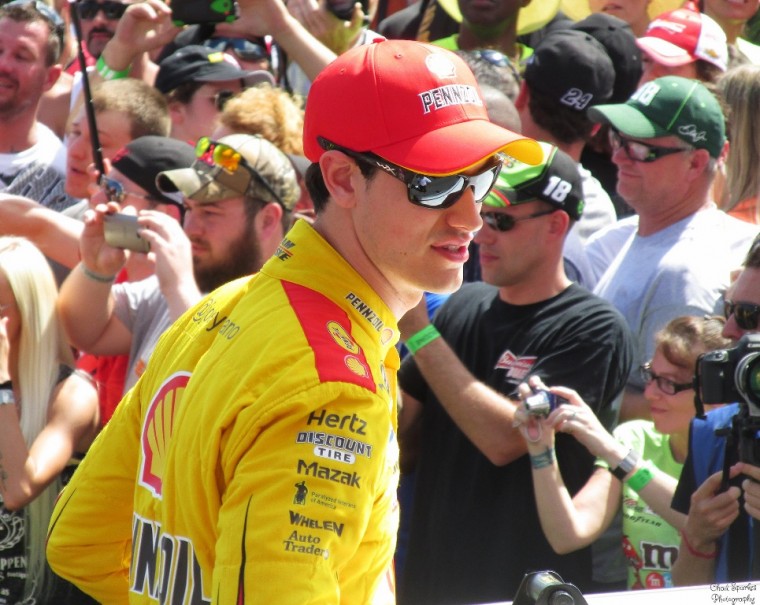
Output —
<point x="565" y="124"/>
<point x="752" y="259"/>
<point x="708" y="72"/>
<point x="183" y="94"/>
<point x="29" y="13"/>
<point x="315" y="182"/>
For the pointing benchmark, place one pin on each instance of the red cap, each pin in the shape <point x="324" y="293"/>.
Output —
<point x="413" y="104"/>
<point x="683" y="36"/>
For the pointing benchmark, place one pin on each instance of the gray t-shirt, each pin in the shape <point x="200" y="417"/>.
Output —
<point x="683" y="269"/>
<point x="142" y="308"/>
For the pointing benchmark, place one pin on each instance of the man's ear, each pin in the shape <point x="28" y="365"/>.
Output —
<point x="338" y="172"/>
<point x="521" y="102"/>
<point x="724" y="152"/>
<point x="559" y="224"/>
<point x="53" y="73"/>
<point x="699" y="160"/>
<point x="268" y="219"/>
<point x="176" y="112"/>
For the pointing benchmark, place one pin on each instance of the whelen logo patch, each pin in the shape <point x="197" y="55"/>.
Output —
<point x="518" y="368"/>
<point x="157" y="430"/>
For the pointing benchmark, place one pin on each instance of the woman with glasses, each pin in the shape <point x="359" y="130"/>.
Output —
<point x="637" y="466"/>
<point x="48" y="418"/>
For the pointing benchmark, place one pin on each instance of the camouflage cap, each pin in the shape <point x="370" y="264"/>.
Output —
<point x="264" y="172"/>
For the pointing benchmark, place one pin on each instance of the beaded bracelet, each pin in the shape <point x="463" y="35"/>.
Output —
<point x="424" y="337"/>
<point x="641" y="478"/>
<point x="102" y="279"/>
<point x="108" y="73"/>
<point x="694" y="552"/>
<point x="544" y="459"/>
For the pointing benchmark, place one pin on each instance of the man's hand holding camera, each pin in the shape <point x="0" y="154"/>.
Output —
<point x="174" y="261"/>
<point x="96" y="255"/>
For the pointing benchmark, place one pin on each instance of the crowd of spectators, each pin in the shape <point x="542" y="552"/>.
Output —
<point x="146" y="162"/>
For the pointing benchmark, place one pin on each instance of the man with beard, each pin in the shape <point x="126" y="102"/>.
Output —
<point x="233" y="222"/>
<point x="31" y="156"/>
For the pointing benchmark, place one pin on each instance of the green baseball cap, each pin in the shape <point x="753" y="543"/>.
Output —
<point x="555" y="180"/>
<point x="669" y="106"/>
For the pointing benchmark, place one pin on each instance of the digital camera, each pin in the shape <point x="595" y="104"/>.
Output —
<point x="542" y="402"/>
<point x="729" y="375"/>
<point x="123" y="231"/>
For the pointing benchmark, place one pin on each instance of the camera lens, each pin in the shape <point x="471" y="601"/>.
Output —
<point x="748" y="378"/>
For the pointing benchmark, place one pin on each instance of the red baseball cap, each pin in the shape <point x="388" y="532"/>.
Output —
<point x="411" y="103"/>
<point x="683" y="36"/>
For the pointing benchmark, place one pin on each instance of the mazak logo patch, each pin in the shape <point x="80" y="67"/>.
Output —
<point x="157" y="430"/>
<point x="518" y="368"/>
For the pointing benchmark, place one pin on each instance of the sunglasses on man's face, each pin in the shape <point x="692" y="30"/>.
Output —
<point x="503" y="222"/>
<point x="89" y="8"/>
<point x="242" y="48"/>
<point x="438" y="192"/>
<point x="115" y="192"/>
<point x="638" y="151"/>
<point x="746" y="315"/>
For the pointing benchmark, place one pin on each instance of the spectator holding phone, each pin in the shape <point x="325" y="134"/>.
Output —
<point x="232" y="223"/>
<point x="637" y="465"/>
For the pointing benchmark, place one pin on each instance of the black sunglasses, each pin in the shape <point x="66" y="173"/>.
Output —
<point x="89" y="8"/>
<point x="437" y="192"/>
<point x="666" y="385"/>
<point x="506" y="222"/>
<point x="641" y="152"/>
<point x="242" y="48"/>
<point x="745" y="314"/>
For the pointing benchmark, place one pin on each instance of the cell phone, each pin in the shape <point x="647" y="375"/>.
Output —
<point x="188" y="12"/>
<point x="122" y="231"/>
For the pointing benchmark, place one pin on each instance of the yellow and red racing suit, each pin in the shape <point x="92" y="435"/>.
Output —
<point x="256" y="459"/>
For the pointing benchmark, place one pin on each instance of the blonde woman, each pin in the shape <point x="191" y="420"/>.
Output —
<point x="48" y="415"/>
<point x="637" y="467"/>
<point x="740" y="89"/>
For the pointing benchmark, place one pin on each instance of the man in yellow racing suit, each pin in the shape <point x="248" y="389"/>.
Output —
<point x="255" y="461"/>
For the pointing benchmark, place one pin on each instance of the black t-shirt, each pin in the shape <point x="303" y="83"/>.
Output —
<point x="474" y="530"/>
